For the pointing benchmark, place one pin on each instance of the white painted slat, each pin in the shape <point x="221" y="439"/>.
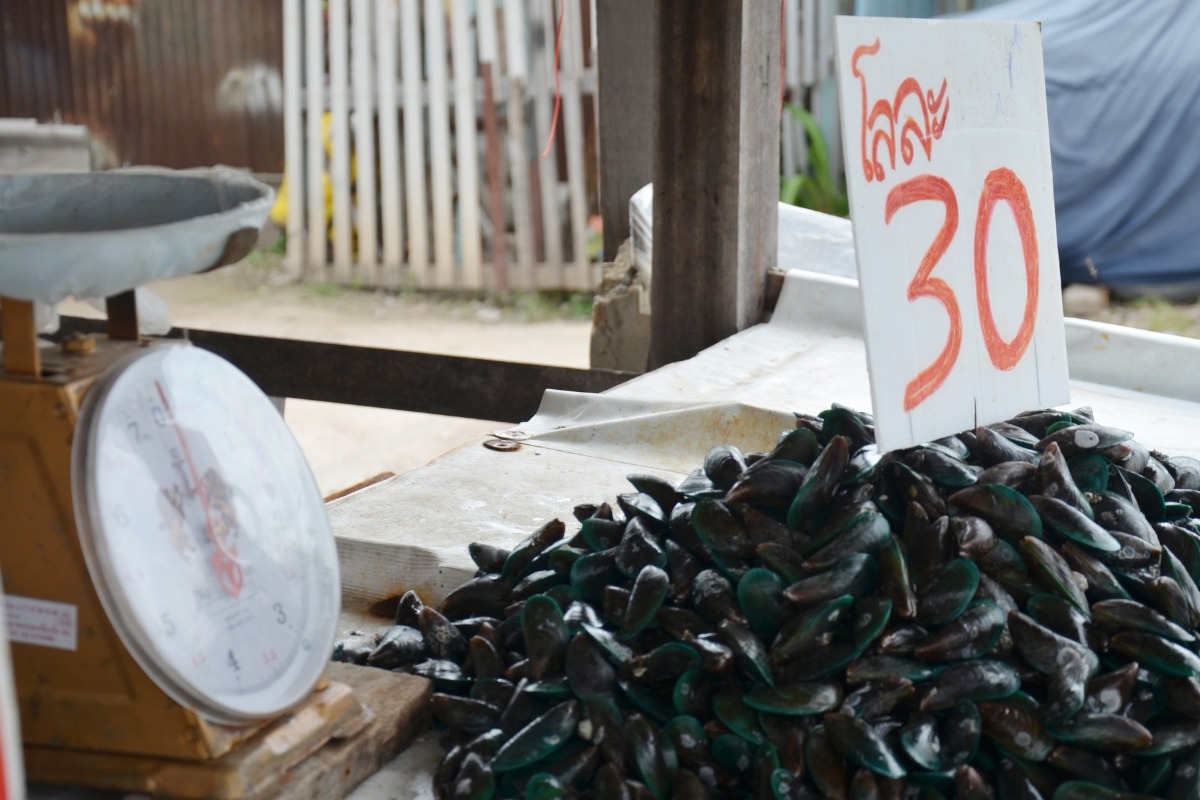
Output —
<point x="391" y="211"/>
<point x="462" y="49"/>
<point x="494" y="197"/>
<point x="787" y="145"/>
<point x="824" y="48"/>
<point x="293" y="135"/>
<point x="314" y="69"/>
<point x="791" y="135"/>
<point x="516" y="70"/>
<point x="515" y="61"/>
<point x="485" y="23"/>
<point x="439" y="143"/>
<point x="362" y="24"/>
<point x="791" y="39"/>
<point x="541" y="85"/>
<point x="414" y="142"/>
<point x="572" y="133"/>
<point x="808" y="33"/>
<point x="339" y="106"/>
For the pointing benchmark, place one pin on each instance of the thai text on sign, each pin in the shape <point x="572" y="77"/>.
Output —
<point x="948" y="169"/>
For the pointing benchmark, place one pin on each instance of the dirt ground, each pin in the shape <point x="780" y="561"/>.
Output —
<point x="347" y="444"/>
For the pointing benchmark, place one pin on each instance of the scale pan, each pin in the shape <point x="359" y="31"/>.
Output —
<point x="98" y="234"/>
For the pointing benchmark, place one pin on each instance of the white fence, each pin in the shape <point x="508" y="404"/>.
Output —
<point x="394" y="195"/>
<point x="437" y="112"/>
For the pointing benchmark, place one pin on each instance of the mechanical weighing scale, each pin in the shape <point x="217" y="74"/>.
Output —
<point x="170" y="576"/>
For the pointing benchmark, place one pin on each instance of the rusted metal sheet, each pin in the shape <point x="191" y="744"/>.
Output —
<point x="178" y="83"/>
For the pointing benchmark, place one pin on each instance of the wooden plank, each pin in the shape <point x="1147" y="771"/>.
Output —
<point x="517" y="70"/>
<point x="716" y="151"/>
<point x="391" y="204"/>
<point x="758" y="157"/>
<point x="339" y="171"/>
<point x="314" y="70"/>
<point x="571" y="131"/>
<point x="462" y="49"/>
<point x="414" y="142"/>
<point x="362" y="24"/>
<point x="293" y="136"/>
<point x="439" y="143"/>
<point x="476" y="388"/>
<point x="625" y="55"/>
<point x="18" y="331"/>
<point x="400" y="704"/>
<point x="541" y="85"/>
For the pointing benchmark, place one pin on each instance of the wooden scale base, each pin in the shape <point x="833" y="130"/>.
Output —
<point x="90" y="715"/>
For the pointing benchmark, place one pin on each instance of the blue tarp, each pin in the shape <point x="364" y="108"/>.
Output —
<point x="1123" y="98"/>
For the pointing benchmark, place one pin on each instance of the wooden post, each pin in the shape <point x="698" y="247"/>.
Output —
<point x="625" y="62"/>
<point x="716" y="170"/>
<point x="18" y="331"/>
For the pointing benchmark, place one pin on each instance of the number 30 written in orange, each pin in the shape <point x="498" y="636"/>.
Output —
<point x="1001" y="185"/>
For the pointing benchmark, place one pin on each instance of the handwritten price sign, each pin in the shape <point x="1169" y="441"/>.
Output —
<point x="948" y="167"/>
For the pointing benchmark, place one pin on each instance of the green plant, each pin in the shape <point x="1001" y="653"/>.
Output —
<point x="816" y="189"/>
<point x="324" y="289"/>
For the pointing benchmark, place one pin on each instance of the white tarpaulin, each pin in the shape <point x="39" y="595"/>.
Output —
<point x="412" y="531"/>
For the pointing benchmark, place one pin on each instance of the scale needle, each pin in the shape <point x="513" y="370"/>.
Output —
<point x="224" y="561"/>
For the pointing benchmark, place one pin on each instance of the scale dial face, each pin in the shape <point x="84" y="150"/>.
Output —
<point x="205" y="534"/>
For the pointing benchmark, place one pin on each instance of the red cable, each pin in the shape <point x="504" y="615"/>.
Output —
<point x="557" y="85"/>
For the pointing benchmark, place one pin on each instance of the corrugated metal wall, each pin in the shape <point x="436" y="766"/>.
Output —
<point x="177" y="83"/>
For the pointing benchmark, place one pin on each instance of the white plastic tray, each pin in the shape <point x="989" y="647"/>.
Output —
<point x="96" y="234"/>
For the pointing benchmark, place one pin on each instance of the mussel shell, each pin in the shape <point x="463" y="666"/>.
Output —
<point x="400" y="645"/>
<point x="1103" y="732"/>
<point x="588" y="670"/>
<point x="645" y="744"/>
<point x="529" y="547"/>
<point x="972" y="634"/>
<point x="949" y="593"/>
<point x="853" y="575"/>
<point x="464" y="713"/>
<point x="1157" y="653"/>
<point x="1017" y="728"/>
<point x="1052" y="571"/>
<point x="443" y="639"/>
<point x="770" y="484"/>
<point x="539" y="739"/>
<point x="723" y="465"/>
<point x="750" y="656"/>
<point x="797" y="699"/>
<point x="645" y="599"/>
<point x="760" y="597"/>
<point x="1008" y="511"/>
<point x="971" y="681"/>
<point x="861" y="745"/>
<point x="1068" y="521"/>
<point x="823" y="764"/>
<point x="820" y="482"/>
<point x="919" y="740"/>
<point x="1118" y="615"/>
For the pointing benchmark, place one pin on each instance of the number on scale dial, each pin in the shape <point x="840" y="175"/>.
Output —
<point x="205" y="533"/>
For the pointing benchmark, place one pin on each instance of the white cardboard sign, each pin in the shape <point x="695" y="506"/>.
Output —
<point x="948" y="170"/>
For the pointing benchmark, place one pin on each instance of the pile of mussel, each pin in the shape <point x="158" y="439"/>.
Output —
<point x="1006" y="613"/>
